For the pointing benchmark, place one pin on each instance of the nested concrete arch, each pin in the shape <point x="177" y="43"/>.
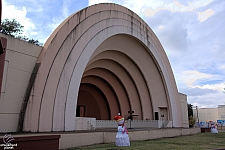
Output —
<point x="136" y="76"/>
<point x="92" y="96"/>
<point x="147" y="65"/>
<point x="127" y="83"/>
<point x="67" y="52"/>
<point x="116" y="93"/>
<point x="92" y="104"/>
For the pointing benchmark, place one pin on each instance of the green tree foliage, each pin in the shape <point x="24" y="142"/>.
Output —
<point x="190" y="110"/>
<point x="36" y="42"/>
<point x="191" y="121"/>
<point x="190" y="115"/>
<point x="14" y="29"/>
<point x="11" y="28"/>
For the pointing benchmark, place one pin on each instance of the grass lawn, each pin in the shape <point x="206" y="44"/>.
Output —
<point x="201" y="141"/>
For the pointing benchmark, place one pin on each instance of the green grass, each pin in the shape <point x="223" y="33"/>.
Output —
<point x="201" y="141"/>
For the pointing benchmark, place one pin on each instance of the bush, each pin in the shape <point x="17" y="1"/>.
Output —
<point x="191" y="121"/>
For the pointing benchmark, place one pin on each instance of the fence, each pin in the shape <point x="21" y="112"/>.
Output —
<point x="135" y="124"/>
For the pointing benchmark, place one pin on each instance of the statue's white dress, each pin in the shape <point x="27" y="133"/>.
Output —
<point x="122" y="138"/>
<point x="214" y="129"/>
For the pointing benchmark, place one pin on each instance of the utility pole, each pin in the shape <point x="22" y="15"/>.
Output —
<point x="197" y="113"/>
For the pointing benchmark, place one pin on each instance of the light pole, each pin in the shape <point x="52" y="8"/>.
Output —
<point x="197" y="113"/>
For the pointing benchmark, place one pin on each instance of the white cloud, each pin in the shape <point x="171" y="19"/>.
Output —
<point x="136" y="6"/>
<point x="151" y="12"/>
<point x="219" y="87"/>
<point x="199" y="3"/>
<point x="191" y="76"/>
<point x="11" y="12"/>
<point x="202" y="16"/>
<point x="210" y="100"/>
<point x="161" y="27"/>
<point x="175" y="6"/>
<point x="202" y="95"/>
<point x="33" y="33"/>
<point x="66" y="5"/>
<point x="55" y="23"/>
<point x="92" y="2"/>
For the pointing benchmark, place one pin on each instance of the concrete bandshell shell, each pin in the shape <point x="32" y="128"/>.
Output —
<point x="69" y="51"/>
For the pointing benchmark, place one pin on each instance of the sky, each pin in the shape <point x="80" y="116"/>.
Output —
<point x="192" y="33"/>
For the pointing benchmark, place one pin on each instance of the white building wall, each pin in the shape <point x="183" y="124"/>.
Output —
<point x="20" y="60"/>
<point x="221" y="112"/>
<point x="206" y="114"/>
<point x="183" y="103"/>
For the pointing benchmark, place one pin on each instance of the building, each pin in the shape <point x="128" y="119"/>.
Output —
<point x="100" y="61"/>
<point x="209" y="114"/>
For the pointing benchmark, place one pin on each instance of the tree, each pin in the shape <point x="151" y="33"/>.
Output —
<point x="36" y="42"/>
<point x="11" y="28"/>
<point x="191" y="121"/>
<point x="15" y="29"/>
<point x="190" y="110"/>
<point x="190" y="115"/>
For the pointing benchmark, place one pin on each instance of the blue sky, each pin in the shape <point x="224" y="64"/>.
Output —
<point x="192" y="33"/>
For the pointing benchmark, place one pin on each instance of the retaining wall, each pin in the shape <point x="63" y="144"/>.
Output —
<point x="69" y="140"/>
